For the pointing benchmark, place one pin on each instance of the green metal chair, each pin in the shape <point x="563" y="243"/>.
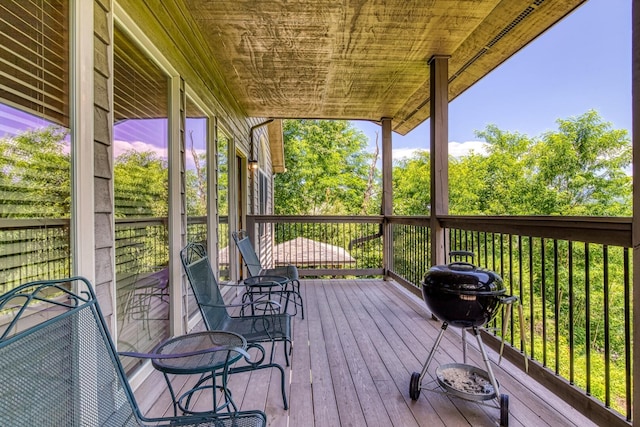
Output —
<point x="254" y="267"/>
<point x="59" y="366"/>
<point x="271" y="328"/>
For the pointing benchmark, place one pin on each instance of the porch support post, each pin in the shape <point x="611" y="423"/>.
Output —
<point x="439" y="153"/>
<point x="635" y="138"/>
<point x="387" y="194"/>
<point x="177" y="220"/>
<point x="82" y="124"/>
<point x="212" y="187"/>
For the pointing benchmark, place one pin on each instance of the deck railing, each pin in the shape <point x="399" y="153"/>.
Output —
<point x="33" y="249"/>
<point x="410" y="249"/>
<point x="320" y="245"/>
<point x="572" y="276"/>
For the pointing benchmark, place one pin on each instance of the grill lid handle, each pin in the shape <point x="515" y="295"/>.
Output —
<point x="465" y="254"/>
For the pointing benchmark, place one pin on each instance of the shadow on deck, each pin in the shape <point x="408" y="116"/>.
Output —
<point x="352" y="361"/>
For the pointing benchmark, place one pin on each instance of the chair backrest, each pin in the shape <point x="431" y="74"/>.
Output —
<point x="58" y="365"/>
<point x="248" y="253"/>
<point x="205" y="287"/>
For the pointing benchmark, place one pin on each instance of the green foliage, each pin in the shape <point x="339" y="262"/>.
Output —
<point x="196" y="181"/>
<point x="35" y="174"/>
<point x="141" y="185"/>
<point x="327" y="169"/>
<point x="411" y="192"/>
<point x="580" y="169"/>
<point x="223" y="175"/>
<point x="195" y="198"/>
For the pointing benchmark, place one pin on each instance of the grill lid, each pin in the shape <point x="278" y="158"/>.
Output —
<point x="461" y="293"/>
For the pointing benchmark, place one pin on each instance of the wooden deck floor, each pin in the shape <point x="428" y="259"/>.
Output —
<point x="352" y="361"/>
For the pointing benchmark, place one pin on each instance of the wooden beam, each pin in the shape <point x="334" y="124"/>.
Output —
<point x="635" y="137"/>
<point x="439" y="153"/>
<point x="387" y="191"/>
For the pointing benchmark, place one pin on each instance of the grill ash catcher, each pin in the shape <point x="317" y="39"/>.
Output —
<point x="465" y="296"/>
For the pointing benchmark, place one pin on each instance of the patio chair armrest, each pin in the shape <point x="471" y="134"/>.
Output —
<point x="233" y="285"/>
<point x="260" y="300"/>
<point x="188" y="354"/>
<point x="275" y="277"/>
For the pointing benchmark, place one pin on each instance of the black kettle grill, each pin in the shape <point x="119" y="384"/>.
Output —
<point x="462" y="294"/>
<point x="468" y="297"/>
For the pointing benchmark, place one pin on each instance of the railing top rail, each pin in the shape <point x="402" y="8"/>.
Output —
<point x="374" y="219"/>
<point x="20" y="223"/>
<point x="142" y="220"/>
<point x="614" y="231"/>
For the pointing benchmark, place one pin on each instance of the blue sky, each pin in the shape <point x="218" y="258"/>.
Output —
<point x="582" y="63"/>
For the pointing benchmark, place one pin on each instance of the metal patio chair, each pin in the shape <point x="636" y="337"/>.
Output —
<point x="254" y="267"/>
<point x="265" y="328"/>
<point x="59" y="366"/>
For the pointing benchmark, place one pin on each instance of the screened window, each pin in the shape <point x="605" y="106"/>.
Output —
<point x="222" y="201"/>
<point x="196" y="182"/>
<point x="34" y="58"/>
<point x="35" y="175"/>
<point x="141" y="183"/>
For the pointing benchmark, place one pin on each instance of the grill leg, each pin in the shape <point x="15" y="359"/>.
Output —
<point x="464" y="346"/>
<point x="433" y="351"/>
<point x="487" y="363"/>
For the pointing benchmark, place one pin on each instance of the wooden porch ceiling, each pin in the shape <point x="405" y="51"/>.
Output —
<point x="361" y="60"/>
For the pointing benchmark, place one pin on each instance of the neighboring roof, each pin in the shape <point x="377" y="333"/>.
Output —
<point x="307" y="253"/>
<point x="357" y="60"/>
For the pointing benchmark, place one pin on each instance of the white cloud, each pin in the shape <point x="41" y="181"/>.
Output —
<point x="120" y="147"/>
<point x="403" y="153"/>
<point x="459" y="149"/>
<point x="456" y="149"/>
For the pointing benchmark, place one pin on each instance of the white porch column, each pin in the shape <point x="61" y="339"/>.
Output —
<point x="635" y="138"/>
<point x="387" y="192"/>
<point x="212" y="191"/>
<point x="439" y="153"/>
<point x="177" y="220"/>
<point x="82" y="118"/>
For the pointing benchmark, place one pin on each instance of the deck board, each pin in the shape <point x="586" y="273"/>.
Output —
<point x="352" y="361"/>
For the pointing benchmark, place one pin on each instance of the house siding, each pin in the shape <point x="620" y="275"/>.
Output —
<point x="103" y="155"/>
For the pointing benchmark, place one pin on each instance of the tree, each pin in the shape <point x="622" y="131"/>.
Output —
<point x="327" y="169"/>
<point x="141" y="185"/>
<point x="580" y="169"/>
<point x="35" y="174"/>
<point x="504" y="172"/>
<point x="411" y="188"/>
<point x="196" y="182"/>
<point x="583" y="166"/>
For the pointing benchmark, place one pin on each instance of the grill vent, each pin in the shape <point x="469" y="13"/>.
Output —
<point x="518" y="19"/>
<point x="511" y="25"/>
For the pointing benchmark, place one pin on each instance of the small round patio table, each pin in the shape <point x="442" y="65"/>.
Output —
<point x="209" y="354"/>
<point x="263" y="290"/>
